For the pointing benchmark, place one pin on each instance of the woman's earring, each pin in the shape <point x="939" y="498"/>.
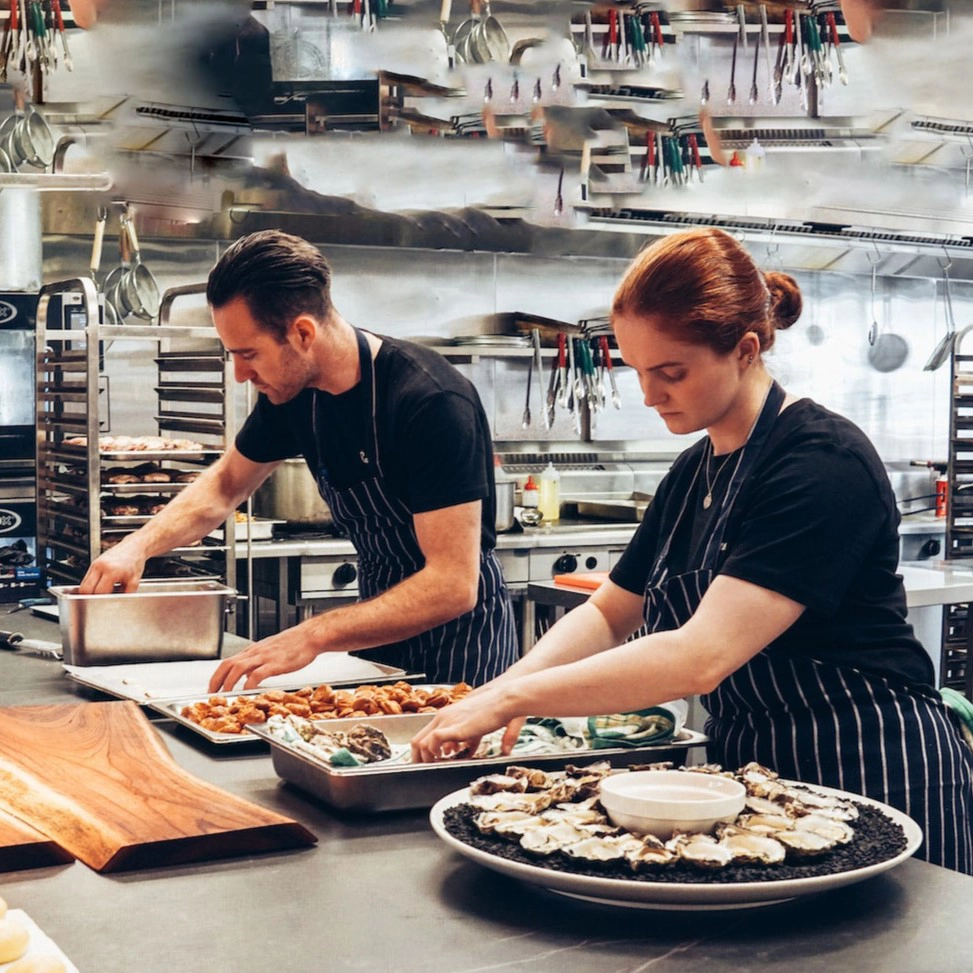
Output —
<point x="750" y="360"/>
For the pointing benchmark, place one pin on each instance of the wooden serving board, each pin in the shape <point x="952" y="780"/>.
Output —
<point x="97" y="779"/>
<point x="22" y="846"/>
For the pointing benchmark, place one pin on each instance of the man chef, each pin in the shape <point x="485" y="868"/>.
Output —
<point x="400" y="447"/>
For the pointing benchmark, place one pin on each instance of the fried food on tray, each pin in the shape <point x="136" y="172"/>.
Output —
<point x="221" y="715"/>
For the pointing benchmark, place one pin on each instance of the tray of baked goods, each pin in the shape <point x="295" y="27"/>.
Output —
<point x="225" y="718"/>
<point x="364" y="763"/>
<point x="145" y="448"/>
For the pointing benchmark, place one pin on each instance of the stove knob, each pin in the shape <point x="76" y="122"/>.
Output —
<point x="565" y="564"/>
<point x="344" y="574"/>
<point x="931" y="548"/>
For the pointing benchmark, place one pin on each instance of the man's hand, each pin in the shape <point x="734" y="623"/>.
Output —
<point x="118" y="569"/>
<point x="285" y="652"/>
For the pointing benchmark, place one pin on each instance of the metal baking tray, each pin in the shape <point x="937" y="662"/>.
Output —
<point x="393" y="786"/>
<point x="172" y="708"/>
<point x="139" y="626"/>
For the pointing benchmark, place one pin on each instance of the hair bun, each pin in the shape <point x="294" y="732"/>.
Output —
<point x="785" y="299"/>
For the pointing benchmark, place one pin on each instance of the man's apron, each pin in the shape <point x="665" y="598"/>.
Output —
<point x="476" y="646"/>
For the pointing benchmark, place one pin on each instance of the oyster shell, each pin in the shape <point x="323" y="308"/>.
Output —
<point x="550" y="838"/>
<point x="837" y="831"/>
<point x="494" y="783"/>
<point x="368" y="743"/>
<point x="536" y="779"/>
<point x="765" y="823"/>
<point x="701" y="850"/>
<point x="650" y="852"/>
<point x="804" y="844"/>
<point x="826" y="805"/>
<point x="510" y="801"/>
<point x="505" y="822"/>
<point x="754" y="848"/>
<point x="602" y="849"/>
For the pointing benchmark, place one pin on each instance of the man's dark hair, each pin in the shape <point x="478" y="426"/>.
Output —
<point x="279" y="276"/>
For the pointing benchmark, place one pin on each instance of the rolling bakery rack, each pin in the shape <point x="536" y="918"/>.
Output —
<point x="957" y="672"/>
<point x="92" y="490"/>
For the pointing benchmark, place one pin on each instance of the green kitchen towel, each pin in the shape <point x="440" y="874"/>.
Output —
<point x="653" y="725"/>
<point x="963" y="708"/>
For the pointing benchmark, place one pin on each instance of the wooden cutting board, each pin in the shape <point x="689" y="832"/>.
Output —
<point x="97" y="779"/>
<point x="24" y="847"/>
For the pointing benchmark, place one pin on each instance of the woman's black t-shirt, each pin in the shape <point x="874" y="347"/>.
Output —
<point x="434" y="440"/>
<point x="815" y="521"/>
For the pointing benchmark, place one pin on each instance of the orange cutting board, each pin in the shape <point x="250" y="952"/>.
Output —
<point x="24" y="847"/>
<point x="97" y="779"/>
<point x="590" y="580"/>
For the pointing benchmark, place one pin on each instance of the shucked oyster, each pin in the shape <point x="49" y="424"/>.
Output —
<point x="368" y="743"/>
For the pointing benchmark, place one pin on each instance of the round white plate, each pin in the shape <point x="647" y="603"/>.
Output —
<point x="673" y="895"/>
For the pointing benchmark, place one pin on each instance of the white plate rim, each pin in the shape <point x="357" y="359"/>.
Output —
<point x="670" y="895"/>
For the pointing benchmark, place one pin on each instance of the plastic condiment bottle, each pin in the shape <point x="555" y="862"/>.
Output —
<point x="550" y="494"/>
<point x="755" y="156"/>
<point x="530" y="499"/>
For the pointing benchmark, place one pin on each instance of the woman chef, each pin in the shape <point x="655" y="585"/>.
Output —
<point x="764" y="570"/>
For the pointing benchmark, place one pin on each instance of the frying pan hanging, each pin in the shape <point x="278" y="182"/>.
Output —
<point x="489" y="42"/>
<point x="462" y="33"/>
<point x="138" y="289"/>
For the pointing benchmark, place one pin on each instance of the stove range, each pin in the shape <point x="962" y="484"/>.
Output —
<point x="305" y="532"/>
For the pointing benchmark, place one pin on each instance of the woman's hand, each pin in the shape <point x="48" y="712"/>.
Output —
<point x="458" y="728"/>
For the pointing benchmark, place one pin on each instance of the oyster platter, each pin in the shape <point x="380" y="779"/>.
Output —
<point x="550" y="829"/>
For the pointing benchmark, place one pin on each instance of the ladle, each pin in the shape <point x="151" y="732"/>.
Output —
<point x="887" y="351"/>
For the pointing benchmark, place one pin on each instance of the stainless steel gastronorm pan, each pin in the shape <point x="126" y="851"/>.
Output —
<point x="160" y="622"/>
<point x="394" y="787"/>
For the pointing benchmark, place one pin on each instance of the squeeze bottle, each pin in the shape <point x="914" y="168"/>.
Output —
<point x="550" y="494"/>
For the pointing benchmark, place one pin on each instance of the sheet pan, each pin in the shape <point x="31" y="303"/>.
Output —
<point x="398" y="786"/>
<point x="153" y="682"/>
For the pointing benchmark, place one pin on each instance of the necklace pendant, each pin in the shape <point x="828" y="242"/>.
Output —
<point x="707" y="500"/>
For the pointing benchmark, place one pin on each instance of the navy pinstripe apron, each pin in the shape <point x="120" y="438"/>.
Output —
<point x="475" y="647"/>
<point x="818" y="722"/>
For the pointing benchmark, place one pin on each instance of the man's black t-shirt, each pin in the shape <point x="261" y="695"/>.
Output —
<point x="434" y="440"/>
<point x="817" y="522"/>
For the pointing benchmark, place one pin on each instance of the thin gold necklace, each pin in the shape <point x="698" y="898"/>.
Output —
<point x="708" y="498"/>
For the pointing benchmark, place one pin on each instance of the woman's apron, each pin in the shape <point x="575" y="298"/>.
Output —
<point x="821" y="723"/>
<point x="476" y="646"/>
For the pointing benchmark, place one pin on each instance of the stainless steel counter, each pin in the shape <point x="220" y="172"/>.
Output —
<point x="382" y="893"/>
<point x="566" y="534"/>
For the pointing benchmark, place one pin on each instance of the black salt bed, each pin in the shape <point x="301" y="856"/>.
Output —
<point x="876" y="839"/>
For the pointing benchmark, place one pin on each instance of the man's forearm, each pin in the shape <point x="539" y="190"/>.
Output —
<point x="420" y="602"/>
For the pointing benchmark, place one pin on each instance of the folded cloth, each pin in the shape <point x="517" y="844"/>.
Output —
<point x="963" y="708"/>
<point x="653" y="725"/>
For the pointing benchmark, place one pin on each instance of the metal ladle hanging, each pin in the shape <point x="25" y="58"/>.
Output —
<point x="887" y="351"/>
<point x="944" y="349"/>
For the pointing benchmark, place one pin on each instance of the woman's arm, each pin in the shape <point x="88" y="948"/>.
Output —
<point x="734" y="621"/>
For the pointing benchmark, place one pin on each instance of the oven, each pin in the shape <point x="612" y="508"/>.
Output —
<point x="19" y="575"/>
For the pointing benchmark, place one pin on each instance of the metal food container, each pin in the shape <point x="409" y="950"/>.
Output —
<point x="160" y="622"/>
<point x="392" y="786"/>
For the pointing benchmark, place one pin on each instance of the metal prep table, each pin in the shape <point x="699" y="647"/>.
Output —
<point x="381" y="894"/>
